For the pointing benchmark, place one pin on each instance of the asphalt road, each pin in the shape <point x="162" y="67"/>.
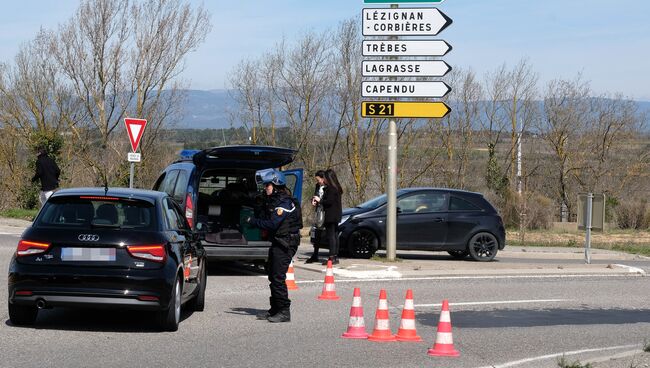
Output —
<point x="496" y="322"/>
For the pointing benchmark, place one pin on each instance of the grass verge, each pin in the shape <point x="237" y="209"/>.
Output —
<point x="19" y="213"/>
<point x="632" y="242"/>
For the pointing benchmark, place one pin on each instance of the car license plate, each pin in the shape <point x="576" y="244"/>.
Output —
<point x="88" y="254"/>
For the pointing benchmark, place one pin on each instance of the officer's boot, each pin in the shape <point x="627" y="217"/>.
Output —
<point x="270" y="312"/>
<point x="283" y="315"/>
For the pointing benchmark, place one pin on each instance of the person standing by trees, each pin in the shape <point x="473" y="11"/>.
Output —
<point x="319" y="213"/>
<point x="331" y="202"/>
<point x="48" y="172"/>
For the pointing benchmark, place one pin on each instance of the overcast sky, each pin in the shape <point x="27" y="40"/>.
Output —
<point x="608" y="41"/>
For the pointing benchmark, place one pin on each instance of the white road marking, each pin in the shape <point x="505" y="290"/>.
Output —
<point x="494" y="302"/>
<point x="556" y="355"/>
<point x="632" y="269"/>
<point x="496" y="277"/>
<point x="12" y="234"/>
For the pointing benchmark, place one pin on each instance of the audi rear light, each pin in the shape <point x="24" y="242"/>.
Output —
<point x="152" y="252"/>
<point x="24" y="293"/>
<point x="189" y="210"/>
<point x="28" y="248"/>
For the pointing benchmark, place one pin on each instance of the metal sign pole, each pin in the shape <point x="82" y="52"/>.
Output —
<point x="391" y="215"/>
<point x="131" y="175"/>
<point x="590" y="198"/>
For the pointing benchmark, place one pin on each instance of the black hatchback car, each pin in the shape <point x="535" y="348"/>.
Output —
<point x="460" y="222"/>
<point x="116" y="248"/>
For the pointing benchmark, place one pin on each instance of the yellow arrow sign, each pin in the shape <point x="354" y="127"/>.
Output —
<point x="404" y="109"/>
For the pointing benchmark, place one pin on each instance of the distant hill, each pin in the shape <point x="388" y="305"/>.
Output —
<point x="207" y="110"/>
<point x="213" y="109"/>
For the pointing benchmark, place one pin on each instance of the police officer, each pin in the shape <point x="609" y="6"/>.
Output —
<point x="282" y="218"/>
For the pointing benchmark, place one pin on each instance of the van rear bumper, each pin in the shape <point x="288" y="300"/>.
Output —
<point x="254" y="251"/>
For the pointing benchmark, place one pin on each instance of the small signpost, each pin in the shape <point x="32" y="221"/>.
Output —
<point x="135" y="129"/>
<point x="591" y="216"/>
<point x="404" y="22"/>
<point x="401" y="109"/>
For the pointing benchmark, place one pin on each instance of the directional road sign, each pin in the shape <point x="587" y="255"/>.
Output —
<point x="414" y="68"/>
<point x="405" y="48"/>
<point x="384" y="109"/>
<point x="404" y="89"/>
<point x="135" y="128"/>
<point x="403" y="22"/>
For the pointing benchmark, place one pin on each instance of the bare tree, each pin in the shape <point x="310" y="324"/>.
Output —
<point x="122" y="60"/>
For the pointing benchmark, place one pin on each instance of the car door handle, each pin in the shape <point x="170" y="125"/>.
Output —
<point x="439" y="219"/>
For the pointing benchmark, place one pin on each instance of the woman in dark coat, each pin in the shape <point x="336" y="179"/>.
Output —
<point x="331" y="202"/>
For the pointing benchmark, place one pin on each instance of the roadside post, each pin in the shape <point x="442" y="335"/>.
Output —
<point x="591" y="216"/>
<point x="134" y="128"/>
<point x="397" y="79"/>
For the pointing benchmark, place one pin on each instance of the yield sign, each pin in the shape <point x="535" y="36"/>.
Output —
<point x="135" y="128"/>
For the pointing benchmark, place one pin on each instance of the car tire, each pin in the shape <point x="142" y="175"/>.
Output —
<point x="483" y="247"/>
<point x="198" y="303"/>
<point x="362" y="243"/>
<point x="458" y="254"/>
<point x="169" y="318"/>
<point x="22" y="314"/>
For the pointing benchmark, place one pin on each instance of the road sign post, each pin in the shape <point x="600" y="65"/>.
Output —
<point x="591" y="216"/>
<point x="135" y="129"/>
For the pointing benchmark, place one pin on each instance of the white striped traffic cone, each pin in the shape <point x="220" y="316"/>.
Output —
<point x="291" y="278"/>
<point x="329" y="290"/>
<point x="444" y="345"/>
<point x="382" y="333"/>
<point x="357" y="325"/>
<point x="407" y="330"/>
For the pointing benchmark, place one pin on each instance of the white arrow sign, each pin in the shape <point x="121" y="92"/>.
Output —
<point x="405" y="48"/>
<point x="404" y="89"/>
<point x="415" y="68"/>
<point x="403" y="22"/>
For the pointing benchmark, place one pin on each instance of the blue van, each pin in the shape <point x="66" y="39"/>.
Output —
<point x="217" y="189"/>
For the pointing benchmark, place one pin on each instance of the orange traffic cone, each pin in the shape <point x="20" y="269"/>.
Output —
<point x="406" y="330"/>
<point x="356" y="326"/>
<point x="291" y="278"/>
<point x="444" y="345"/>
<point x="382" y="332"/>
<point x="329" y="290"/>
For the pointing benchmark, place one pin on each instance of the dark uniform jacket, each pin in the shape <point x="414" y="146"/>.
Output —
<point x="282" y="218"/>
<point x="331" y="202"/>
<point x="48" y="172"/>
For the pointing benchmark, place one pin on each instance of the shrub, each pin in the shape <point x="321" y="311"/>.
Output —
<point x="633" y="215"/>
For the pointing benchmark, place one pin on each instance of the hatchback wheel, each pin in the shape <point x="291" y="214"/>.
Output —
<point x="483" y="247"/>
<point x="458" y="254"/>
<point x="168" y="319"/>
<point x="362" y="243"/>
<point x="22" y="314"/>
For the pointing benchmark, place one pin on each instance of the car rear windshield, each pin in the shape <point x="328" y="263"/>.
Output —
<point x="88" y="212"/>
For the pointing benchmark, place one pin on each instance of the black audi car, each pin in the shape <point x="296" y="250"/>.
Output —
<point x="116" y="248"/>
<point x="459" y="222"/>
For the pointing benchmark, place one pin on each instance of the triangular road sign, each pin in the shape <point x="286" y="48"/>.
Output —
<point x="135" y="128"/>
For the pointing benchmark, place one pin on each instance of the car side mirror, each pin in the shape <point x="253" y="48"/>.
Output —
<point x="399" y="210"/>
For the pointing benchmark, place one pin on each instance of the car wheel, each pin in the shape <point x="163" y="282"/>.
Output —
<point x="458" y="254"/>
<point x="483" y="247"/>
<point x="362" y="243"/>
<point x="198" y="303"/>
<point x="168" y="319"/>
<point x="22" y="314"/>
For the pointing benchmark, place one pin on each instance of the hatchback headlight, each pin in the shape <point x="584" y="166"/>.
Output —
<point x="344" y="219"/>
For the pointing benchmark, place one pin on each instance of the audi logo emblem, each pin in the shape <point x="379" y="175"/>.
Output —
<point x="88" y="237"/>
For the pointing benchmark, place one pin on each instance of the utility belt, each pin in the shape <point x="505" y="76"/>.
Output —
<point x="287" y="240"/>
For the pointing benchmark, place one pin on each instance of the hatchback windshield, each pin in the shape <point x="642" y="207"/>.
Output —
<point x="86" y="211"/>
